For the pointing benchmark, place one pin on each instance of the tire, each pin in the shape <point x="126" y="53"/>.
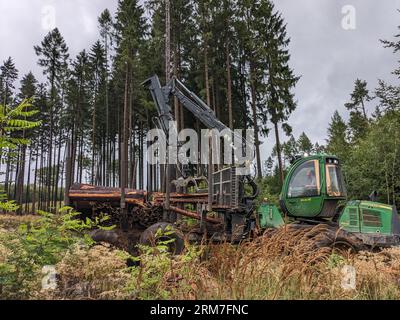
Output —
<point x="343" y="247"/>
<point x="110" y="237"/>
<point x="347" y="242"/>
<point x="150" y="238"/>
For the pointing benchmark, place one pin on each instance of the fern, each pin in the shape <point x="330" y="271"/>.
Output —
<point x="11" y="121"/>
<point x="14" y="120"/>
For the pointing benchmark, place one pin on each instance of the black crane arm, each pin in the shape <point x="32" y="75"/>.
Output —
<point x="195" y="105"/>
<point x="201" y="111"/>
<point x="161" y="101"/>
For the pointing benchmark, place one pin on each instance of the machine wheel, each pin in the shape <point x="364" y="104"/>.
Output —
<point x="110" y="236"/>
<point x="343" y="247"/>
<point x="151" y="237"/>
<point x="345" y="242"/>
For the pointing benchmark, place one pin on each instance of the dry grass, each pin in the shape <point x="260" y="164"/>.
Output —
<point x="96" y="273"/>
<point x="287" y="264"/>
<point x="12" y="221"/>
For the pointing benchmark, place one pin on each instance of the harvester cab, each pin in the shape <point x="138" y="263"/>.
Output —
<point x="314" y="192"/>
<point x="313" y="187"/>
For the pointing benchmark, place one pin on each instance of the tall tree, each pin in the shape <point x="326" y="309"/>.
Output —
<point x="337" y="143"/>
<point x="388" y="96"/>
<point x="304" y="144"/>
<point x="131" y="28"/>
<point x="27" y="91"/>
<point x="268" y="167"/>
<point x="53" y="55"/>
<point x="358" y="122"/>
<point x="9" y="74"/>
<point x="106" y="25"/>
<point x="97" y="82"/>
<point x="395" y="46"/>
<point x="359" y="97"/>
<point x="271" y="78"/>
<point x="280" y="77"/>
<point x="290" y="149"/>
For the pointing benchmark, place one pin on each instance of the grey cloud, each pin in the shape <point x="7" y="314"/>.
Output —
<point x="330" y="58"/>
<point x="327" y="57"/>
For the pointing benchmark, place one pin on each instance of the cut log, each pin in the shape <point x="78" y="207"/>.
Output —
<point x="85" y="192"/>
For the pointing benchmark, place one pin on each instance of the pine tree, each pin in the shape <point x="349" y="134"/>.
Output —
<point x="290" y="149"/>
<point x="337" y="143"/>
<point x="53" y="55"/>
<point x="98" y="80"/>
<point x="203" y="22"/>
<point x="387" y="94"/>
<point x="268" y="167"/>
<point x="248" y="33"/>
<point x="304" y="144"/>
<point x="395" y="46"/>
<point x="359" y="97"/>
<point x="318" y="148"/>
<point x="27" y="91"/>
<point x="131" y="28"/>
<point x="9" y="74"/>
<point x="388" y="98"/>
<point x="358" y="122"/>
<point x="280" y="77"/>
<point x="106" y="26"/>
<point x="271" y="78"/>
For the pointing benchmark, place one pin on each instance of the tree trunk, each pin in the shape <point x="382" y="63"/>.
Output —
<point x="363" y="109"/>
<point x="256" y="129"/>
<point x="279" y="153"/>
<point x="124" y="143"/>
<point x="93" y="141"/>
<point x="229" y="88"/>
<point x="141" y="156"/>
<point x="7" y="174"/>
<point x="206" y="76"/>
<point x="27" y="193"/>
<point x="20" y="178"/>
<point x="108" y="140"/>
<point x="68" y="172"/>
<point x="57" y="172"/>
<point x="34" y="186"/>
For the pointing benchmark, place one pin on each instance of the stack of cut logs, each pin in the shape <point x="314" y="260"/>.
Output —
<point x="141" y="209"/>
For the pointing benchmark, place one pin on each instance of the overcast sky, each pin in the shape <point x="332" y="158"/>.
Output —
<point x="326" y="55"/>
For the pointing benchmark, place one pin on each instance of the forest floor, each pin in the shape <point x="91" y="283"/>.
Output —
<point x="281" y="266"/>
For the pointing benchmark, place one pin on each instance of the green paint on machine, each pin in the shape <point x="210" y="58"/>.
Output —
<point x="312" y="192"/>
<point x="269" y="216"/>
<point x="369" y="217"/>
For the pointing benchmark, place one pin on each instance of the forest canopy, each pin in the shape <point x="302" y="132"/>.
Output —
<point x="233" y="54"/>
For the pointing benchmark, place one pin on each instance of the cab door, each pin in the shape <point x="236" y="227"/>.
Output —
<point x="302" y="193"/>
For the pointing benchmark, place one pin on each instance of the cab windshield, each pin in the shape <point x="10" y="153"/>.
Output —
<point x="334" y="180"/>
<point x="305" y="181"/>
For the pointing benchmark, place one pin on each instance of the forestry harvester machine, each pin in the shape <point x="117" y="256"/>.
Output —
<point x="224" y="202"/>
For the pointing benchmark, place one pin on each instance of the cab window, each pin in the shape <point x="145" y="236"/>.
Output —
<point x="305" y="181"/>
<point x="334" y="181"/>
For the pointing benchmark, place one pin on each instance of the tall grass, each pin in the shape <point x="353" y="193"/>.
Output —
<point x="287" y="264"/>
